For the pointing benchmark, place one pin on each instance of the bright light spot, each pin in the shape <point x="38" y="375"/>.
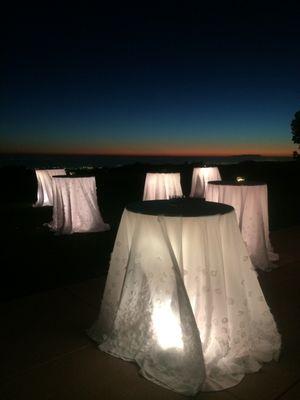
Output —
<point x="46" y="198"/>
<point x="167" y="327"/>
<point x="240" y="179"/>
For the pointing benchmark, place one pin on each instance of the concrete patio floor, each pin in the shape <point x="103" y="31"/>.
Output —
<point x="45" y="353"/>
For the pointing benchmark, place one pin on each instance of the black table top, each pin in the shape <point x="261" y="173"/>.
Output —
<point x="205" y="166"/>
<point x="179" y="207"/>
<point x="165" y="172"/>
<point x="235" y="183"/>
<point x="72" y="176"/>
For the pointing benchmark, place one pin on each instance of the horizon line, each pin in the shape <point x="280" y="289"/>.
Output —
<point x="19" y="153"/>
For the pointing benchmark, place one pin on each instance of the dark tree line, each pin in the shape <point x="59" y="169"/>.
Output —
<point x="295" y="126"/>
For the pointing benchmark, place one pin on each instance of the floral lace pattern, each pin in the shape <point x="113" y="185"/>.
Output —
<point x="183" y="301"/>
<point x="75" y="207"/>
<point x="251" y="207"/>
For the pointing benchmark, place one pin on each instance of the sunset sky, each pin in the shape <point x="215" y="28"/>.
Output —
<point x="168" y="80"/>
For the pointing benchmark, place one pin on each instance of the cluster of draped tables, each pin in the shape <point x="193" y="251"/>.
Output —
<point x="182" y="298"/>
<point x="74" y="201"/>
<point x="160" y="186"/>
<point x="249" y="199"/>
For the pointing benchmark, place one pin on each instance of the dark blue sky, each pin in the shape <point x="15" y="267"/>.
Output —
<point x="177" y="78"/>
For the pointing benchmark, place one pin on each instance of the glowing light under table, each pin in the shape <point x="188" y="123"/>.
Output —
<point x="200" y="178"/>
<point x="183" y="301"/>
<point x="161" y="186"/>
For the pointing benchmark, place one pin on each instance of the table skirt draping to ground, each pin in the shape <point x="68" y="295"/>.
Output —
<point x="160" y="186"/>
<point x="183" y="301"/>
<point x="201" y="176"/>
<point x="45" y="186"/>
<point x="75" y="207"/>
<point x="251" y="206"/>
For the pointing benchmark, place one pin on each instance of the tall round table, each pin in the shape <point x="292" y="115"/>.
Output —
<point x="45" y="186"/>
<point x="75" y="207"/>
<point x="161" y="186"/>
<point x="182" y="299"/>
<point x="200" y="178"/>
<point x="250" y="201"/>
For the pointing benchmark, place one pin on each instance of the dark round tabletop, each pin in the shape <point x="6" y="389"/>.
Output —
<point x="72" y="176"/>
<point x="205" y="166"/>
<point x="235" y="183"/>
<point x="163" y="171"/>
<point x="179" y="207"/>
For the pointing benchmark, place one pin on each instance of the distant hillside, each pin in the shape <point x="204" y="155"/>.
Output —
<point x="246" y="156"/>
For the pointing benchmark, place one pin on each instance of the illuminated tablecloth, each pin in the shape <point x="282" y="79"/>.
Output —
<point x="174" y="279"/>
<point x="161" y="186"/>
<point x="45" y="186"/>
<point x="75" y="207"/>
<point x="200" y="178"/>
<point x="250" y="201"/>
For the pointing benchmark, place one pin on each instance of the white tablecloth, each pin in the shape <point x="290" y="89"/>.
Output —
<point x="174" y="280"/>
<point x="251" y="206"/>
<point x="200" y="178"/>
<point x="45" y="186"/>
<point x="75" y="207"/>
<point x="160" y="186"/>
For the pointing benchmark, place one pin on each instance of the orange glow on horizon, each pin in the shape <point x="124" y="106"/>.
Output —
<point x="162" y="153"/>
<point x="184" y="152"/>
<point x="153" y="151"/>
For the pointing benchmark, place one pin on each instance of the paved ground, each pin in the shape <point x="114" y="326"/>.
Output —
<point x="45" y="353"/>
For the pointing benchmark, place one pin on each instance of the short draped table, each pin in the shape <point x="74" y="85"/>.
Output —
<point x="182" y="299"/>
<point x="250" y="201"/>
<point x="45" y="186"/>
<point x="75" y="207"/>
<point x="161" y="186"/>
<point x="200" y="178"/>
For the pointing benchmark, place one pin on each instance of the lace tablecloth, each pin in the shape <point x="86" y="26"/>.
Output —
<point x="200" y="178"/>
<point x="75" y="207"/>
<point x="250" y="201"/>
<point x="183" y="301"/>
<point x="160" y="186"/>
<point x="45" y="186"/>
